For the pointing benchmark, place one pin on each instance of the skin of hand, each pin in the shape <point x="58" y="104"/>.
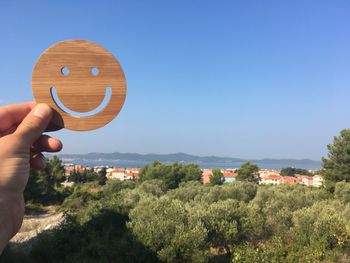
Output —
<point x="21" y="145"/>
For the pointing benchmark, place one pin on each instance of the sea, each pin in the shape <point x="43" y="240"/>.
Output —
<point x="204" y="165"/>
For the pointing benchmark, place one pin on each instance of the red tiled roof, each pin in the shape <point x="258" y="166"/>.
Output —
<point x="134" y="169"/>
<point x="118" y="170"/>
<point x="229" y="174"/>
<point x="273" y="177"/>
<point x="290" y="180"/>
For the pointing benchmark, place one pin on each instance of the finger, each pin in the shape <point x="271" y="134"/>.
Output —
<point x="37" y="161"/>
<point x="8" y="131"/>
<point x="47" y="144"/>
<point x="34" y="124"/>
<point x="12" y="115"/>
<point x="50" y="127"/>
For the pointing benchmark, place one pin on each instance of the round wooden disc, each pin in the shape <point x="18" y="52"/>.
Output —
<point x="82" y="81"/>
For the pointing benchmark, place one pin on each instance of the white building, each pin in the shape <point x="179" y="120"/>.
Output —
<point x="117" y="173"/>
<point x="317" y="180"/>
<point x="306" y="180"/>
<point x="271" y="179"/>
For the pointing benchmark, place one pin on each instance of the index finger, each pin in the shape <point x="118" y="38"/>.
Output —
<point x="12" y="115"/>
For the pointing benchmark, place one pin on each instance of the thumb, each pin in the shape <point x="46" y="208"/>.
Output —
<point x="34" y="124"/>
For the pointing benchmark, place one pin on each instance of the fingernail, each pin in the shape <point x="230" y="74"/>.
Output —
<point x="42" y="111"/>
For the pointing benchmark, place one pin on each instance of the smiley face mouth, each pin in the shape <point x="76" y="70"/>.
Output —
<point x="77" y="114"/>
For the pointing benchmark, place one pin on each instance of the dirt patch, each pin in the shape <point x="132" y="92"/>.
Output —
<point x="34" y="225"/>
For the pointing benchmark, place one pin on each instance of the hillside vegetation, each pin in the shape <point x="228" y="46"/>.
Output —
<point x="170" y="216"/>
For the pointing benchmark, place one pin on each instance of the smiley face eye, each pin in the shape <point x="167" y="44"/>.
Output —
<point x="94" y="71"/>
<point x="65" y="71"/>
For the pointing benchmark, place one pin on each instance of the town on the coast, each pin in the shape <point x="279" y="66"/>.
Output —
<point x="266" y="176"/>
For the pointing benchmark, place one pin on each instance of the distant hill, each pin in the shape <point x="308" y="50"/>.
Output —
<point x="183" y="157"/>
<point x="149" y="157"/>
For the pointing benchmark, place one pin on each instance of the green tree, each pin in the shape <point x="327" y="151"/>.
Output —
<point x="217" y="177"/>
<point x="336" y="167"/>
<point x="290" y="171"/>
<point x="88" y="175"/>
<point x="190" y="172"/>
<point x="329" y="232"/>
<point x="166" y="227"/>
<point x="196" y="223"/>
<point x="103" y="238"/>
<point x="222" y="220"/>
<point x="171" y="174"/>
<point x="42" y="184"/>
<point x="56" y="170"/>
<point x="342" y="192"/>
<point x="75" y="177"/>
<point x="101" y="176"/>
<point x="248" y="172"/>
<point x="91" y="175"/>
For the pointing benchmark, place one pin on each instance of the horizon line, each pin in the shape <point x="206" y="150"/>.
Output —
<point x="201" y="156"/>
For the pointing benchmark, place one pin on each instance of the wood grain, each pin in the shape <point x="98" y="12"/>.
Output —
<point x="79" y="90"/>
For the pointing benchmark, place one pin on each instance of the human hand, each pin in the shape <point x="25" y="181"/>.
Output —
<point x="21" y="147"/>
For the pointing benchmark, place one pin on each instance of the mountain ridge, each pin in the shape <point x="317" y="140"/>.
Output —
<point x="180" y="157"/>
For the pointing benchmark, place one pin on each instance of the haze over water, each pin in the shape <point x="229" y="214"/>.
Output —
<point x="128" y="164"/>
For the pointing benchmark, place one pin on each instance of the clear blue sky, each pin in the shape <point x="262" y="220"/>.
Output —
<point x="250" y="79"/>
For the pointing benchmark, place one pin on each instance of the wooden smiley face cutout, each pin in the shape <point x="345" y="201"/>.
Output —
<point x="82" y="81"/>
